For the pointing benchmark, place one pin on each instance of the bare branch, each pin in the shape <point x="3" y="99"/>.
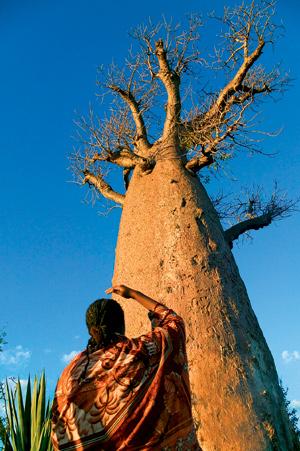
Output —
<point x="108" y="210"/>
<point x="103" y="136"/>
<point x="102" y="187"/>
<point x="254" y="213"/>
<point x="167" y="52"/>
<point x="198" y="163"/>
<point x="220" y="125"/>
<point x="249" y="224"/>
<point x="181" y="44"/>
<point x="226" y="95"/>
<point x="106" y="141"/>
<point x="141" y="139"/>
<point x="223" y="129"/>
<point x="171" y="82"/>
<point x="124" y="158"/>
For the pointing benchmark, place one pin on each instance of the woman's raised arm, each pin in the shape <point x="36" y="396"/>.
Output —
<point x="126" y="292"/>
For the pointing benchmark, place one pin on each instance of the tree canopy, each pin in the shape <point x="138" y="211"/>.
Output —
<point x="161" y="96"/>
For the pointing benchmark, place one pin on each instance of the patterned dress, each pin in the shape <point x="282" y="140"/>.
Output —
<point x="136" y="394"/>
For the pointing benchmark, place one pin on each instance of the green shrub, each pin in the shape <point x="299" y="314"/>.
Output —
<point x="292" y="413"/>
<point x="28" y="423"/>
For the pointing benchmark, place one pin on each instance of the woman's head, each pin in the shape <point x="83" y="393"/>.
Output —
<point x="104" y="318"/>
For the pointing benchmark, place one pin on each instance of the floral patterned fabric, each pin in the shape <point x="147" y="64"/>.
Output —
<point x="135" y="396"/>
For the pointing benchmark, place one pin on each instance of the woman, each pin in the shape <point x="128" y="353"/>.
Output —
<point x="126" y="394"/>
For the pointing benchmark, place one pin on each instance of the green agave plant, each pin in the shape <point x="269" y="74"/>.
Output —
<point x="29" y="423"/>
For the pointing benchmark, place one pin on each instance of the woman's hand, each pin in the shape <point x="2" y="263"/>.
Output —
<point x="125" y="292"/>
<point x="121" y="290"/>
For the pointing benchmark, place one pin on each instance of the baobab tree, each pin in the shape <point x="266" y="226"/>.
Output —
<point x="172" y="244"/>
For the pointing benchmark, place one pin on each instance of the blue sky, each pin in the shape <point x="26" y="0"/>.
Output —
<point x="57" y="252"/>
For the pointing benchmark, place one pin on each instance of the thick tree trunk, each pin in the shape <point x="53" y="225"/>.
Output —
<point x="171" y="246"/>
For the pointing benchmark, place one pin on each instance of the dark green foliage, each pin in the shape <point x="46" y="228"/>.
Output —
<point x="292" y="413"/>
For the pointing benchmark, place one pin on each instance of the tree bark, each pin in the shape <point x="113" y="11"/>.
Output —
<point x="171" y="246"/>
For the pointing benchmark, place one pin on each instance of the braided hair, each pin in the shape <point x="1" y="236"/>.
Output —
<point x="107" y="316"/>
